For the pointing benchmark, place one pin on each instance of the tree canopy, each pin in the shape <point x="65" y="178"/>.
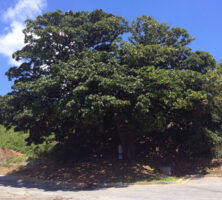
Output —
<point x="84" y="75"/>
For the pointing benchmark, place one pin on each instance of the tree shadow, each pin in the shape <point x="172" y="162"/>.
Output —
<point x="92" y="174"/>
<point x="16" y="182"/>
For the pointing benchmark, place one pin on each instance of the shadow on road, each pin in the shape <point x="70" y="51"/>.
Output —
<point x="15" y="182"/>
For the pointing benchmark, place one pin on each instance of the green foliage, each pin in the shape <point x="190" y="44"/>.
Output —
<point x="11" y="140"/>
<point x="16" y="141"/>
<point x="80" y="79"/>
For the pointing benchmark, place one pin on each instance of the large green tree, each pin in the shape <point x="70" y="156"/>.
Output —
<point x="81" y="78"/>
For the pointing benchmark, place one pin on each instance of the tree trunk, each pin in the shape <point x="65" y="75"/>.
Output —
<point x="127" y="142"/>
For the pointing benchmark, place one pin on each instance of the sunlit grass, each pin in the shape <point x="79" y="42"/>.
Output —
<point x="148" y="179"/>
<point x="10" y="139"/>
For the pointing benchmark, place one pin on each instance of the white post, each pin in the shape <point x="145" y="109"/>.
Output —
<point x="120" y="152"/>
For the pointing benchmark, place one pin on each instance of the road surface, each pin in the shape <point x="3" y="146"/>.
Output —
<point x="207" y="188"/>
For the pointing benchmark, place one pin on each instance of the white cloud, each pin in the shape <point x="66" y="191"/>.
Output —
<point x="25" y="9"/>
<point x="14" y="38"/>
<point x="12" y="41"/>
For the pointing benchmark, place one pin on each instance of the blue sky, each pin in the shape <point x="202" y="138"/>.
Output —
<point x="202" y="18"/>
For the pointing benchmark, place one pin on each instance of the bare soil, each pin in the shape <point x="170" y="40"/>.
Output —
<point x="89" y="173"/>
<point x="5" y="155"/>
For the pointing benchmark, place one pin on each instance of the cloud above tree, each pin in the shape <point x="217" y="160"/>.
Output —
<point x="15" y="16"/>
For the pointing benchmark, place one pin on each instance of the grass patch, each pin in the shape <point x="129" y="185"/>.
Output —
<point x="165" y="179"/>
<point x="13" y="140"/>
<point x="10" y="139"/>
<point x="148" y="179"/>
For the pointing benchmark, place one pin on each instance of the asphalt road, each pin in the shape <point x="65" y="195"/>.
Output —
<point x="208" y="188"/>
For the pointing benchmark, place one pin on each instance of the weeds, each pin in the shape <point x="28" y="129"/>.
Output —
<point x="16" y="141"/>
